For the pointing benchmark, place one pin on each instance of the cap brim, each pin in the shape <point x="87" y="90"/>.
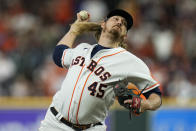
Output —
<point x="124" y="14"/>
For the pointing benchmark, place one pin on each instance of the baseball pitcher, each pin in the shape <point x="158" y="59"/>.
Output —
<point x="97" y="75"/>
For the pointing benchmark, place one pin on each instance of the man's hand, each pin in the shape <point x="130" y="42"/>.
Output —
<point x="143" y="107"/>
<point x="152" y="103"/>
<point x="81" y="26"/>
<point x="78" y="27"/>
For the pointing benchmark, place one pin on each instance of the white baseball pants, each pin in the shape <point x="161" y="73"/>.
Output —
<point x="50" y="123"/>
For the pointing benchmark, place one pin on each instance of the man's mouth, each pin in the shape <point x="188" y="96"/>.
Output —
<point x="117" y="27"/>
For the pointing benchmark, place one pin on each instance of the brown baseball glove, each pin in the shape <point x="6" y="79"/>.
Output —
<point x="124" y="91"/>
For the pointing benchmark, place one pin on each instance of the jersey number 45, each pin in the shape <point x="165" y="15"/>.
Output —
<point x="96" y="90"/>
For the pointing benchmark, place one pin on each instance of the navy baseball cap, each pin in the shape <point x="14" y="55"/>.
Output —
<point x="124" y="14"/>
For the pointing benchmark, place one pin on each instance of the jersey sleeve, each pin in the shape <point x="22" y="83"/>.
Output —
<point x="140" y="75"/>
<point x="62" y="56"/>
<point x="155" y="90"/>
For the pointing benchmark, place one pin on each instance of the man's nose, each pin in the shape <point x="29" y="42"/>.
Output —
<point x="119" y="22"/>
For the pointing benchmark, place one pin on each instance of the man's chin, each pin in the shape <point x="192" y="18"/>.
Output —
<point x="115" y="32"/>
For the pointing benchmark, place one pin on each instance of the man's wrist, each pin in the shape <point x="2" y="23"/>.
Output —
<point x="73" y="33"/>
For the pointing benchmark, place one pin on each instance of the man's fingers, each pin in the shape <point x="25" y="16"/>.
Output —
<point x="79" y="18"/>
<point x="128" y="101"/>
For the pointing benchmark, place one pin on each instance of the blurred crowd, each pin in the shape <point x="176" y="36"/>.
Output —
<point x="163" y="35"/>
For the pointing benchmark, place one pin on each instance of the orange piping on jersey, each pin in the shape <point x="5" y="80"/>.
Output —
<point x="154" y="78"/>
<point x="160" y="87"/>
<point x="110" y="55"/>
<point x="87" y="80"/>
<point x="152" y="86"/>
<point x="63" y="64"/>
<point x="81" y="97"/>
<point x="74" y="89"/>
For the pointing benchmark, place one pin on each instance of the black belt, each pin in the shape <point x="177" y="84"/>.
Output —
<point x="74" y="126"/>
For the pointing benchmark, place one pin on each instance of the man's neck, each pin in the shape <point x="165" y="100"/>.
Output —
<point x="108" y="41"/>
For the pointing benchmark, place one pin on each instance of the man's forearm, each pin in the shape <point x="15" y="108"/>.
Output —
<point x="154" y="102"/>
<point x="68" y="39"/>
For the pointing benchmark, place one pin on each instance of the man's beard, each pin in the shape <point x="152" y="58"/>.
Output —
<point x="114" y="33"/>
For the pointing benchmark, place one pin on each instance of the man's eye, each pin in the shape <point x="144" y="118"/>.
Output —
<point x="116" y="19"/>
<point x="125" y="23"/>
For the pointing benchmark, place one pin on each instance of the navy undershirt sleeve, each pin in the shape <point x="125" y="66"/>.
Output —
<point x="155" y="90"/>
<point x="57" y="54"/>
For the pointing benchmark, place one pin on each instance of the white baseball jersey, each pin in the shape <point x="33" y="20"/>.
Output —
<point x="87" y="90"/>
